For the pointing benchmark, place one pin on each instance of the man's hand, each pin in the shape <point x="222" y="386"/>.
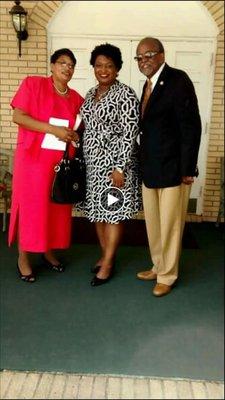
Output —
<point x="187" y="180"/>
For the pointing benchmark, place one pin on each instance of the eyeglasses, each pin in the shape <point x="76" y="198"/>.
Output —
<point x="65" y="64"/>
<point x="148" y="56"/>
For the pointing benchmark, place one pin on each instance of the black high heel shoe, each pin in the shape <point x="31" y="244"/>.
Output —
<point x="96" y="268"/>
<point x="26" y="278"/>
<point x="58" y="268"/>
<point x="99" y="281"/>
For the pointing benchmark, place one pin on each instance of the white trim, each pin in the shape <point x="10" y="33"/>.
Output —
<point x="133" y="37"/>
<point x="206" y="130"/>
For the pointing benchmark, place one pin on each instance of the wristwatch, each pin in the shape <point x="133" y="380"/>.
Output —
<point x="119" y="170"/>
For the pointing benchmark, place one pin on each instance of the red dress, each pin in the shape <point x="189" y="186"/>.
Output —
<point x="41" y="224"/>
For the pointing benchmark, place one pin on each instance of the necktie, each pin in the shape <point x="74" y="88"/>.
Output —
<point x="147" y="94"/>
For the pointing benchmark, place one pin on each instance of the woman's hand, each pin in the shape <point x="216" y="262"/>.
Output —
<point x="117" y="178"/>
<point x="23" y="119"/>
<point x="65" y="134"/>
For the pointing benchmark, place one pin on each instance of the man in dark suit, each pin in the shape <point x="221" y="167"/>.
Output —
<point x="170" y="139"/>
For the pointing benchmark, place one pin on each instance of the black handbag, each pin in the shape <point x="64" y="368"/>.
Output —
<point x="69" y="185"/>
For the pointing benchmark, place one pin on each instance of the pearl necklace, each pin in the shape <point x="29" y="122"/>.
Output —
<point x="59" y="91"/>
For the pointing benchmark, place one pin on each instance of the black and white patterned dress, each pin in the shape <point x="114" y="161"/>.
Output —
<point x="111" y="129"/>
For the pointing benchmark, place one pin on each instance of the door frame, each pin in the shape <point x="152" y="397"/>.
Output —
<point x="206" y="122"/>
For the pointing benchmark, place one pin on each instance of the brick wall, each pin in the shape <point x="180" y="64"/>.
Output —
<point x="34" y="61"/>
<point x="216" y="137"/>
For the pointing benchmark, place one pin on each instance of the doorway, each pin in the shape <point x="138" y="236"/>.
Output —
<point x="193" y="54"/>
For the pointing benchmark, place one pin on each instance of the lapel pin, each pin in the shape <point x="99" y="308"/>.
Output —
<point x="161" y="83"/>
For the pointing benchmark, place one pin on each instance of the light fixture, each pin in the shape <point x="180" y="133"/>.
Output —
<point x="19" y="20"/>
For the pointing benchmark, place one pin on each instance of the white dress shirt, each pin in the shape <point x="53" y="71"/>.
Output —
<point x="155" y="77"/>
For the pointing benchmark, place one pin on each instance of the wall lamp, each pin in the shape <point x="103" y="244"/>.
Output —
<point x="19" y="20"/>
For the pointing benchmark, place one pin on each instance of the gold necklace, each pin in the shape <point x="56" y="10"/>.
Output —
<point x="60" y="91"/>
<point x="100" y="94"/>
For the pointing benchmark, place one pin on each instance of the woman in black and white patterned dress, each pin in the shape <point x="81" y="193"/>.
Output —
<point x="110" y="114"/>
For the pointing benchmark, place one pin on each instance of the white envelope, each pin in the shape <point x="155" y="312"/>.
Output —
<point x="77" y="122"/>
<point x="52" y="142"/>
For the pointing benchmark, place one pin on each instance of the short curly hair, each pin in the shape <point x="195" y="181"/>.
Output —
<point x="62" y="52"/>
<point x="110" y="51"/>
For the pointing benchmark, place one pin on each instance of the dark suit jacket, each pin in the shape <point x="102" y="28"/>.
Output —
<point x="171" y="131"/>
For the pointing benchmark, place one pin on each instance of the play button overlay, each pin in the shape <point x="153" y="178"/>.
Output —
<point x="112" y="199"/>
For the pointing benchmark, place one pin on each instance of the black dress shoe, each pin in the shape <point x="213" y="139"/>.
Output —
<point x="95" y="269"/>
<point x="58" y="268"/>
<point x="26" y="278"/>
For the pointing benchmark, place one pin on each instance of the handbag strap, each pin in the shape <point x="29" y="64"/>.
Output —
<point x="79" y="150"/>
<point x="66" y="152"/>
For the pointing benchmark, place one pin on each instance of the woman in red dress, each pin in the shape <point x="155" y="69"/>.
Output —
<point x="42" y="105"/>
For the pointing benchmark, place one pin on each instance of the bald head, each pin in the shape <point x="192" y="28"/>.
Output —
<point x="150" y="56"/>
<point x="154" y="43"/>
